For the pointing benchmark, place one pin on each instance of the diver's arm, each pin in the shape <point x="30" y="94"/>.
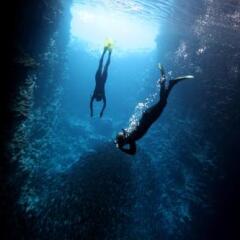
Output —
<point x="131" y="150"/>
<point x="104" y="106"/>
<point x="91" y="106"/>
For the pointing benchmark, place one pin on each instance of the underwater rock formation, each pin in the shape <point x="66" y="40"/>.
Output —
<point x="61" y="176"/>
<point x="100" y="196"/>
<point x="29" y="28"/>
<point x="92" y="199"/>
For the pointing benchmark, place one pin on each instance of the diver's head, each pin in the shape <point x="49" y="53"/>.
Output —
<point x="120" y="139"/>
<point x="99" y="97"/>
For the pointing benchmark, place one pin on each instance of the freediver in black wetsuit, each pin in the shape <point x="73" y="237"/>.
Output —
<point x="100" y="78"/>
<point x="148" y="117"/>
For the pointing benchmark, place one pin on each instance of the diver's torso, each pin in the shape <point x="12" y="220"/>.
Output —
<point x="100" y="84"/>
<point x="146" y="121"/>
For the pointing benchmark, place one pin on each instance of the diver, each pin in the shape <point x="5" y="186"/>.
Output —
<point x="100" y="78"/>
<point x="149" y="116"/>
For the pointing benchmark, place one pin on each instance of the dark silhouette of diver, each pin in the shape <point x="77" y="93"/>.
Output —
<point x="100" y="78"/>
<point x="148" y="117"/>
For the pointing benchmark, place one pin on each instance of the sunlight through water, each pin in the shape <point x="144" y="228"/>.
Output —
<point x="92" y="24"/>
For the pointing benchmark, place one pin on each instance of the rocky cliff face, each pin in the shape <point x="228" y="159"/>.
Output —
<point x="33" y="29"/>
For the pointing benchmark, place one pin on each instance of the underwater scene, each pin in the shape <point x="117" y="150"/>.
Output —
<point x="121" y="120"/>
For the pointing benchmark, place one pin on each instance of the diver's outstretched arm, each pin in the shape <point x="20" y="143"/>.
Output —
<point x="104" y="106"/>
<point x="91" y="106"/>
<point x="131" y="150"/>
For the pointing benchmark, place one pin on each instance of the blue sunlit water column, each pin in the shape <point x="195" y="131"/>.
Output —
<point x="92" y="24"/>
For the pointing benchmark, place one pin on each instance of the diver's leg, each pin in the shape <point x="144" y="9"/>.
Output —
<point x="162" y="71"/>
<point x="99" y="70"/>
<point x="105" y="71"/>
<point x="162" y="81"/>
<point x="163" y="88"/>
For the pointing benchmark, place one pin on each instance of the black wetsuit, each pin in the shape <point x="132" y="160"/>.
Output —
<point x="100" y="78"/>
<point x="148" y="118"/>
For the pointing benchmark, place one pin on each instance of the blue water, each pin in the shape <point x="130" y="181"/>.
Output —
<point x="78" y="185"/>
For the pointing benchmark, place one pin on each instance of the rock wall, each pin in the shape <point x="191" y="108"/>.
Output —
<point x="30" y="30"/>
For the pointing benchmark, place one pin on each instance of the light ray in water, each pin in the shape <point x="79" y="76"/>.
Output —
<point x="92" y="25"/>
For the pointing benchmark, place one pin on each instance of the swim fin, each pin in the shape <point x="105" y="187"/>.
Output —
<point x="179" y="79"/>
<point x="108" y="43"/>
<point x="184" y="77"/>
